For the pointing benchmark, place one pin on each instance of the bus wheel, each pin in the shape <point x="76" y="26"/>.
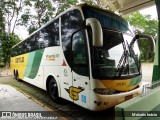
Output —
<point x="53" y="91"/>
<point x="14" y="73"/>
<point x="17" y="76"/>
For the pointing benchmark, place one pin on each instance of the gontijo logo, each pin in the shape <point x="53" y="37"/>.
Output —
<point x="19" y="60"/>
<point x="74" y="92"/>
<point x="52" y="56"/>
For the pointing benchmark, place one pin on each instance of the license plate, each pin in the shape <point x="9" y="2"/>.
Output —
<point x="128" y="97"/>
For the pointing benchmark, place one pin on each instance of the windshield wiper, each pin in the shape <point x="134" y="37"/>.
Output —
<point x="122" y="62"/>
<point x="135" y="58"/>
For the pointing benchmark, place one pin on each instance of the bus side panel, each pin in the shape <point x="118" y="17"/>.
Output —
<point x="19" y="64"/>
<point x="51" y="62"/>
<point x="33" y="63"/>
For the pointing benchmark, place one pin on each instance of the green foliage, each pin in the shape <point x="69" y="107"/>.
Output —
<point x="64" y="4"/>
<point x="144" y="24"/>
<point x="7" y="41"/>
<point x="2" y="65"/>
<point x="36" y="14"/>
<point x="32" y="13"/>
<point x="2" y="19"/>
<point x="31" y="29"/>
<point x="12" y="9"/>
<point x="137" y="20"/>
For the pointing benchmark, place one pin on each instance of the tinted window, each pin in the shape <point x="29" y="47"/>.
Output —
<point x="107" y="19"/>
<point x="52" y="34"/>
<point x="79" y="50"/>
<point x="32" y="43"/>
<point x="40" y="40"/>
<point x="48" y="36"/>
<point x="71" y="22"/>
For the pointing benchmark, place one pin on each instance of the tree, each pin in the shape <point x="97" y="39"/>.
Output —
<point x="7" y="41"/>
<point x="144" y="24"/>
<point x="36" y="14"/>
<point x="9" y="12"/>
<point x="12" y="9"/>
<point x="2" y="19"/>
<point x="62" y="5"/>
<point x="30" y="13"/>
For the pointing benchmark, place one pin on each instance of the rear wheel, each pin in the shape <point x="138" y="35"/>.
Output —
<point x="53" y="91"/>
<point x="14" y="73"/>
<point x="17" y="76"/>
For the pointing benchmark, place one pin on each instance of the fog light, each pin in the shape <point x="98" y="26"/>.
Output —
<point x="104" y="91"/>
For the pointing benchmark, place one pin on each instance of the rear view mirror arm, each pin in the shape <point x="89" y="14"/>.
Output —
<point x="140" y="36"/>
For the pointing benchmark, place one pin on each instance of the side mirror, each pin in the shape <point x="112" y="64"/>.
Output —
<point x="140" y="36"/>
<point x="97" y="34"/>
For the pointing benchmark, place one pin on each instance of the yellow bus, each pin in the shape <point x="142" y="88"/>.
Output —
<point x="84" y="55"/>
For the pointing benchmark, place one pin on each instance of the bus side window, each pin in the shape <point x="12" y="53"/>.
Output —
<point x="16" y="50"/>
<point x="70" y="22"/>
<point x="24" y="47"/>
<point x="39" y="40"/>
<point x="28" y="48"/>
<point x="43" y="38"/>
<point x="32" y="43"/>
<point x="54" y="34"/>
<point x="20" y="47"/>
<point x="51" y="34"/>
<point x="79" y="51"/>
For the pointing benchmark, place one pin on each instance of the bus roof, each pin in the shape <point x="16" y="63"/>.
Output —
<point x="80" y="6"/>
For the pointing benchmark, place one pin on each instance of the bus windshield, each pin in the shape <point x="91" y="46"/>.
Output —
<point x="116" y="58"/>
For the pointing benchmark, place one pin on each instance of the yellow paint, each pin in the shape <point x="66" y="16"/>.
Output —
<point x="51" y="59"/>
<point x="120" y="85"/>
<point x="19" y="63"/>
<point x="73" y="92"/>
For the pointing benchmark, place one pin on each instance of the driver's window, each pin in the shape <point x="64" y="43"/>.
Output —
<point x="79" y="50"/>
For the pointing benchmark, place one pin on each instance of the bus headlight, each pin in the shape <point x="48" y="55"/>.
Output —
<point x="104" y="91"/>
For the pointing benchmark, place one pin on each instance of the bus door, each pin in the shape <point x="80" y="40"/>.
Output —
<point x="80" y="70"/>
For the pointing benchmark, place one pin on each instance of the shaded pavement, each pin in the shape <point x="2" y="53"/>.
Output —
<point x="13" y="103"/>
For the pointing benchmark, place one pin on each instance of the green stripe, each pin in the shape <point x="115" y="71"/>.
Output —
<point x="34" y="60"/>
<point x="29" y="64"/>
<point x="156" y="68"/>
<point x="156" y="73"/>
<point x="135" y="81"/>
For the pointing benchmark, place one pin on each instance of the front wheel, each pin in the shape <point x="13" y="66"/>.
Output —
<point x="53" y="91"/>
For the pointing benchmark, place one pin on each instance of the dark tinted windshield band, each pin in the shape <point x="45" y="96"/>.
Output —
<point x="107" y="19"/>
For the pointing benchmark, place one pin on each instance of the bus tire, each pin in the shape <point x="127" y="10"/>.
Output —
<point x="17" y="76"/>
<point x="14" y="73"/>
<point x="53" y="91"/>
